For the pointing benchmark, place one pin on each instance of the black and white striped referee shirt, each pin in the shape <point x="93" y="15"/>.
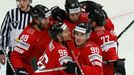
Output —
<point x="13" y="24"/>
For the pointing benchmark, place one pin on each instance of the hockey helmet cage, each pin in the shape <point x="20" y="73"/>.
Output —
<point x="56" y="29"/>
<point x="58" y="14"/>
<point x="40" y="11"/>
<point x="72" y="6"/>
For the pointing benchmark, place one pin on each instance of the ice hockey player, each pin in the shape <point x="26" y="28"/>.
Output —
<point x="28" y="39"/>
<point x="89" y="55"/>
<point x="13" y="24"/>
<point x="107" y="40"/>
<point x="58" y="14"/>
<point x="56" y="52"/>
<point x="72" y="15"/>
<point x="91" y="7"/>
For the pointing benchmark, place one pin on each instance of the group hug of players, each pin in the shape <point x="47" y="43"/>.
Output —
<point x="80" y="39"/>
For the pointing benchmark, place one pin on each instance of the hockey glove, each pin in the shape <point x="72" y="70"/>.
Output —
<point x="71" y="67"/>
<point x="21" y="71"/>
<point x="58" y="14"/>
<point x="119" y="67"/>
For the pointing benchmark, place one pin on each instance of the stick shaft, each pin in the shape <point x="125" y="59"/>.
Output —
<point x="78" y="64"/>
<point x="125" y="29"/>
<point x="50" y="70"/>
<point x="8" y="60"/>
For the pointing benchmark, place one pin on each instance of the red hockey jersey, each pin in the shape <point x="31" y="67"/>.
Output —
<point x="109" y="25"/>
<point x="90" y="57"/>
<point x="82" y="18"/>
<point x="107" y="40"/>
<point x="25" y="49"/>
<point x="54" y="56"/>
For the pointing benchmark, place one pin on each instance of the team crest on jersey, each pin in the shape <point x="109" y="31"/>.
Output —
<point x="22" y="44"/>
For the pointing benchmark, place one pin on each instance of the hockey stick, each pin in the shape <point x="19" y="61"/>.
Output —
<point x="9" y="62"/>
<point x="50" y="70"/>
<point x="78" y="64"/>
<point x="111" y="61"/>
<point x="125" y="29"/>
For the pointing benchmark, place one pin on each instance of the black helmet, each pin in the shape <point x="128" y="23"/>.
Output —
<point x="56" y="29"/>
<point x="58" y="14"/>
<point x="83" y="28"/>
<point x="72" y="6"/>
<point x="90" y="6"/>
<point x="99" y="16"/>
<point x="29" y="0"/>
<point x="40" y="11"/>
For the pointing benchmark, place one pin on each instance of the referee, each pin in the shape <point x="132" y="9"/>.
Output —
<point x="13" y="24"/>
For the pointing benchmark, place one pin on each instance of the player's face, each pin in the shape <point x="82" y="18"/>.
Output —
<point x="44" y="22"/>
<point x="24" y="4"/>
<point x="93" y="24"/>
<point x="74" y="17"/>
<point x="80" y="38"/>
<point x="66" y="34"/>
